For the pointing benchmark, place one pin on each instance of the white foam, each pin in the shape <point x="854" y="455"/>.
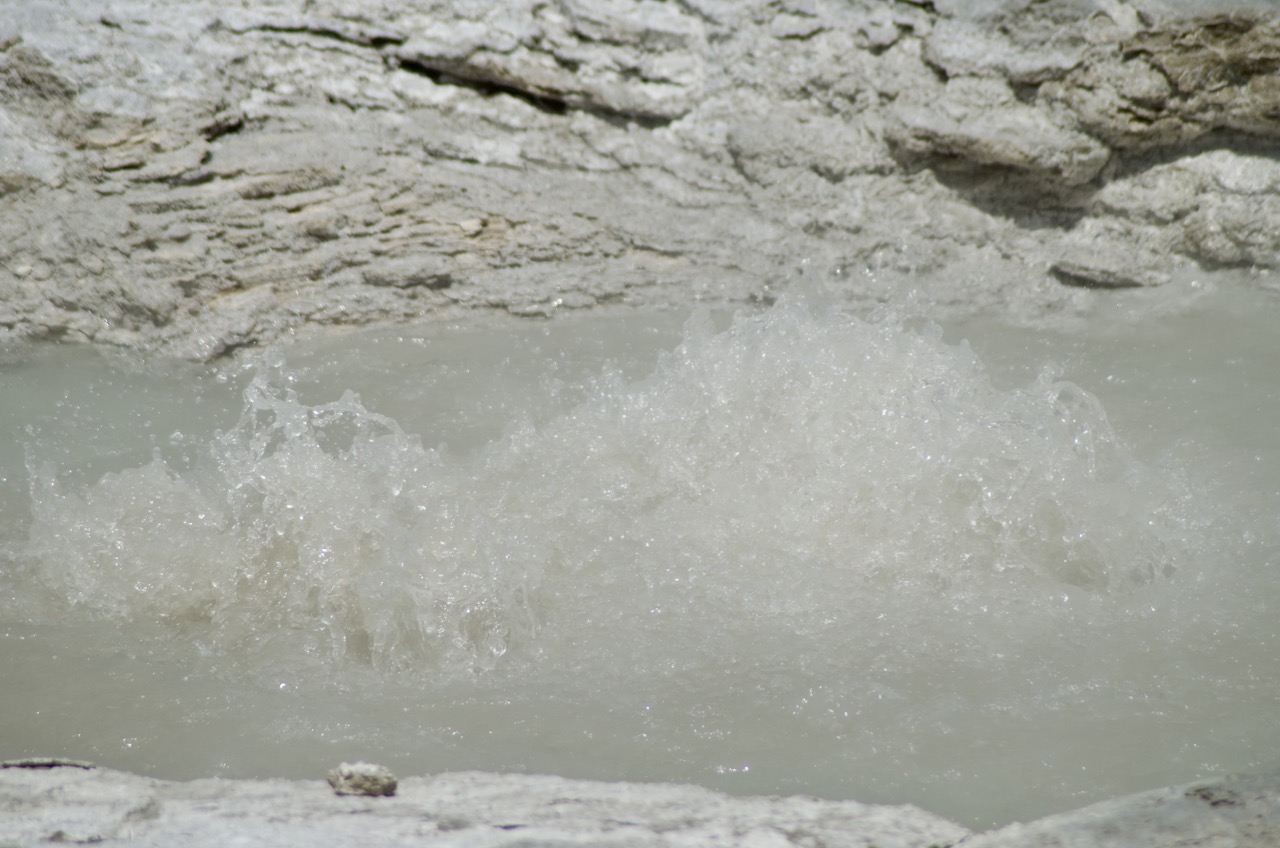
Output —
<point x="773" y="477"/>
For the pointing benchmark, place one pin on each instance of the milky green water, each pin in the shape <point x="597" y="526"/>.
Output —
<point x="791" y="552"/>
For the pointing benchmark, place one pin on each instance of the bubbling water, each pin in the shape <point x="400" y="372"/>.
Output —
<point x="811" y="552"/>
<point x="791" y="475"/>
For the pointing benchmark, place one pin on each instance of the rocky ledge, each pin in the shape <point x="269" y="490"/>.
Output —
<point x="42" y="803"/>
<point x="194" y="177"/>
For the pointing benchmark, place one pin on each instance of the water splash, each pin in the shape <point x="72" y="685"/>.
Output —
<point x="770" y="477"/>
<point x="812" y="542"/>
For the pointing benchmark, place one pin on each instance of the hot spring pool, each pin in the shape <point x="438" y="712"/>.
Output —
<point x="792" y="552"/>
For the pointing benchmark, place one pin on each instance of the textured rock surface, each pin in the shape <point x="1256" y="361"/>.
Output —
<point x="1232" y="812"/>
<point x="478" y="809"/>
<point x="464" y="809"/>
<point x="195" y="177"/>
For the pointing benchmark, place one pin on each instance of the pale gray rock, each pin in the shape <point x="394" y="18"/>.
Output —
<point x="463" y="809"/>
<point x="72" y="804"/>
<point x="25" y="161"/>
<point x="1219" y="207"/>
<point x="962" y="46"/>
<point x="192" y="178"/>
<point x="633" y="59"/>
<point x="40" y="805"/>
<point x="980" y="9"/>
<point x="1234" y="231"/>
<point x="1101" y="253"/>
<point x="772" y="144"/>
<point x="1228" y="812"/>
<point x="981" y="122"/>
<point x="1237" y="221"/>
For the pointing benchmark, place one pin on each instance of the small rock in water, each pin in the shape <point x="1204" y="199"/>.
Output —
<point x="362" y="779"/>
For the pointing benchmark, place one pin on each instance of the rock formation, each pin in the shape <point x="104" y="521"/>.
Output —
<point x="100" y="806"/>
<point x="196" y="177"/>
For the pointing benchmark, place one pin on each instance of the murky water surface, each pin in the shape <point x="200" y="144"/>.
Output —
<point x="793" y="552"/>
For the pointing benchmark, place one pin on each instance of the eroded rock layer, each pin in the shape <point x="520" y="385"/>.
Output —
<point x="195" y="177"/>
